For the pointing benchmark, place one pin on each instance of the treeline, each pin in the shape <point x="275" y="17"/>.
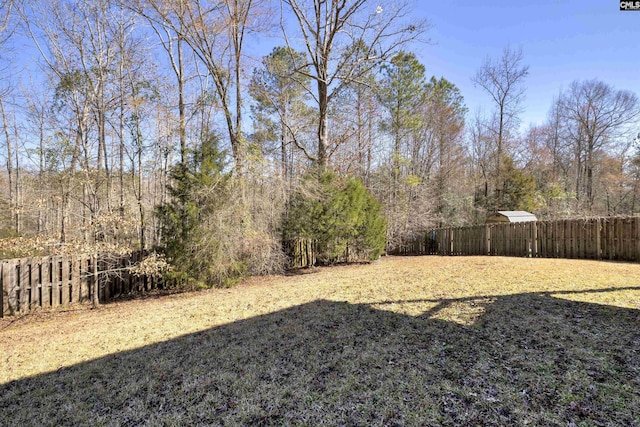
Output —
<point x="153" y="124"/>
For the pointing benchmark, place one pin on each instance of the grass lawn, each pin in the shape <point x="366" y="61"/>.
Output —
<point x="430" y="341"/>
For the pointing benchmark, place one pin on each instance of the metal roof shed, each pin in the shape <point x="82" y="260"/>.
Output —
<point x="510" y="216"/>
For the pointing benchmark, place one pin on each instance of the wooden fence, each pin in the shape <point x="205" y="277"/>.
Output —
<point x="612" y="238"/>
<point x="303" y="253"/>
<point x="53" y="281"/>
<point x="300" y="253"/>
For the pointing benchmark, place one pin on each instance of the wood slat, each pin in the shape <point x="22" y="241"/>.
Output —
<point x="28" y="283"/>
<point x="55" y="281"/>
<point x="4" y="288"/>
<point x="35" y="283"/>
<point x="636" y="235"/>
<point x="75" y="279"/>
<point x="45" y="281"/>
<point x="25" y="289"/>
<point x="65" y="282"/>
<point x="592" y="238"/>
<point x="9" y="274"/>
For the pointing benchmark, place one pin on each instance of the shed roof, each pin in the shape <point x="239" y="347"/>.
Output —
<point x="515" y="216"/>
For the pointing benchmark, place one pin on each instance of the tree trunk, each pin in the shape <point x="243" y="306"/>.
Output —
<point x="95" y="298"/>
<point x="323" y="124"/>
<point x="12" y="194"/>
<point x="589" y="170"/>
<point x="359" y="135"/>
<point x="181" y="105"/>
<point x="283" y="146"/>
<point x="140" y="206"/>
<point x="121" y="146"/>
<point x="18" y="192"/>
<point x="41" y="217"/>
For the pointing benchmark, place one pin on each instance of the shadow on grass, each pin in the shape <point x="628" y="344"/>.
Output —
<point x="527" y="358"/>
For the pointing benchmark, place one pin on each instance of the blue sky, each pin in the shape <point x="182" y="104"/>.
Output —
<point x="562" y="41"/>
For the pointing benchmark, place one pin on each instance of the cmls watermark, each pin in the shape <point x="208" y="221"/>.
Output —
<point x="629" y="5"/>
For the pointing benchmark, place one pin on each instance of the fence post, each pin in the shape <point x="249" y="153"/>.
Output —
<point x="75" y="278"/>
<point x="55" y="281"/>
<point x="509" y="235"/>
<point x="24" y="285"/>
<point x="636" y="255"/>
<point x="35" y="283"/>
<point x="598" y="239"/>
<point x="451" y="233"/>
<point x="64" y="288"/>
<point x="45" y="281"/>
<point x="487" y="237"/>
<point x="611" y="242"/>
<point x="535" y="239"/>
<point x="9" y="278"/>
<point x="95" y="286"/>
<point x="604" y="232"/>
<point x="2" y="290"/>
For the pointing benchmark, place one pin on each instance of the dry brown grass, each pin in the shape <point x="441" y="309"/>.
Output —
<point x="403" y="341"/>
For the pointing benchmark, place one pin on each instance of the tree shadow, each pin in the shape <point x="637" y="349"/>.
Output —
<point x="527" y="358"/>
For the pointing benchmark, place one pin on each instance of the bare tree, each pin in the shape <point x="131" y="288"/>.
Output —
<point x="445" y="112"/>
<point x="594" y="116"/>
<point x="330" y="29"/>
<point x="280" y="104"/>
<point x="553" y="140"/>
<point x="172" y="43"/>
<point x="216" y="32"/>
<point x="503" y="80"/>
<point x="6" y="30"/>
<point x="75" y="42"/>
<point x="11" y="171"/>
<point x="37" y="120"/>
<point x="482" y="153"/>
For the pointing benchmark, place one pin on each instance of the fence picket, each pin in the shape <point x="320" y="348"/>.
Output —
<point x="75" y="279"/>
<point x="1" y="291"/>
<point x="28" y="283"/>
<point x="12" y="288"/>
<point x="24" y="276"/>
<point x="636" y="236"/>
<point x="8" y="270"/>
<point x="611" y="239"/>
<point x="45" y="281"/>
<point x="64" y="282"/>
<point x="55" y="281"/>
<point x="35" y="300"/>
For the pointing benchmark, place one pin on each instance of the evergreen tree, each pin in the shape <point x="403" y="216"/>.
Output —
<point x="518" y="189"/>
<point x="342" y="216"/>
<point x="198" y="189"/>
<point x="402" y="92"/>
<point x="280" y="90"/>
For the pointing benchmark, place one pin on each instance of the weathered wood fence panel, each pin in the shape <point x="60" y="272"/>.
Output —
<point x="303" y="252"/>
<point x="612" y="238"/>
<point x="300" y="252"/>
<point x="46" y="282"/>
